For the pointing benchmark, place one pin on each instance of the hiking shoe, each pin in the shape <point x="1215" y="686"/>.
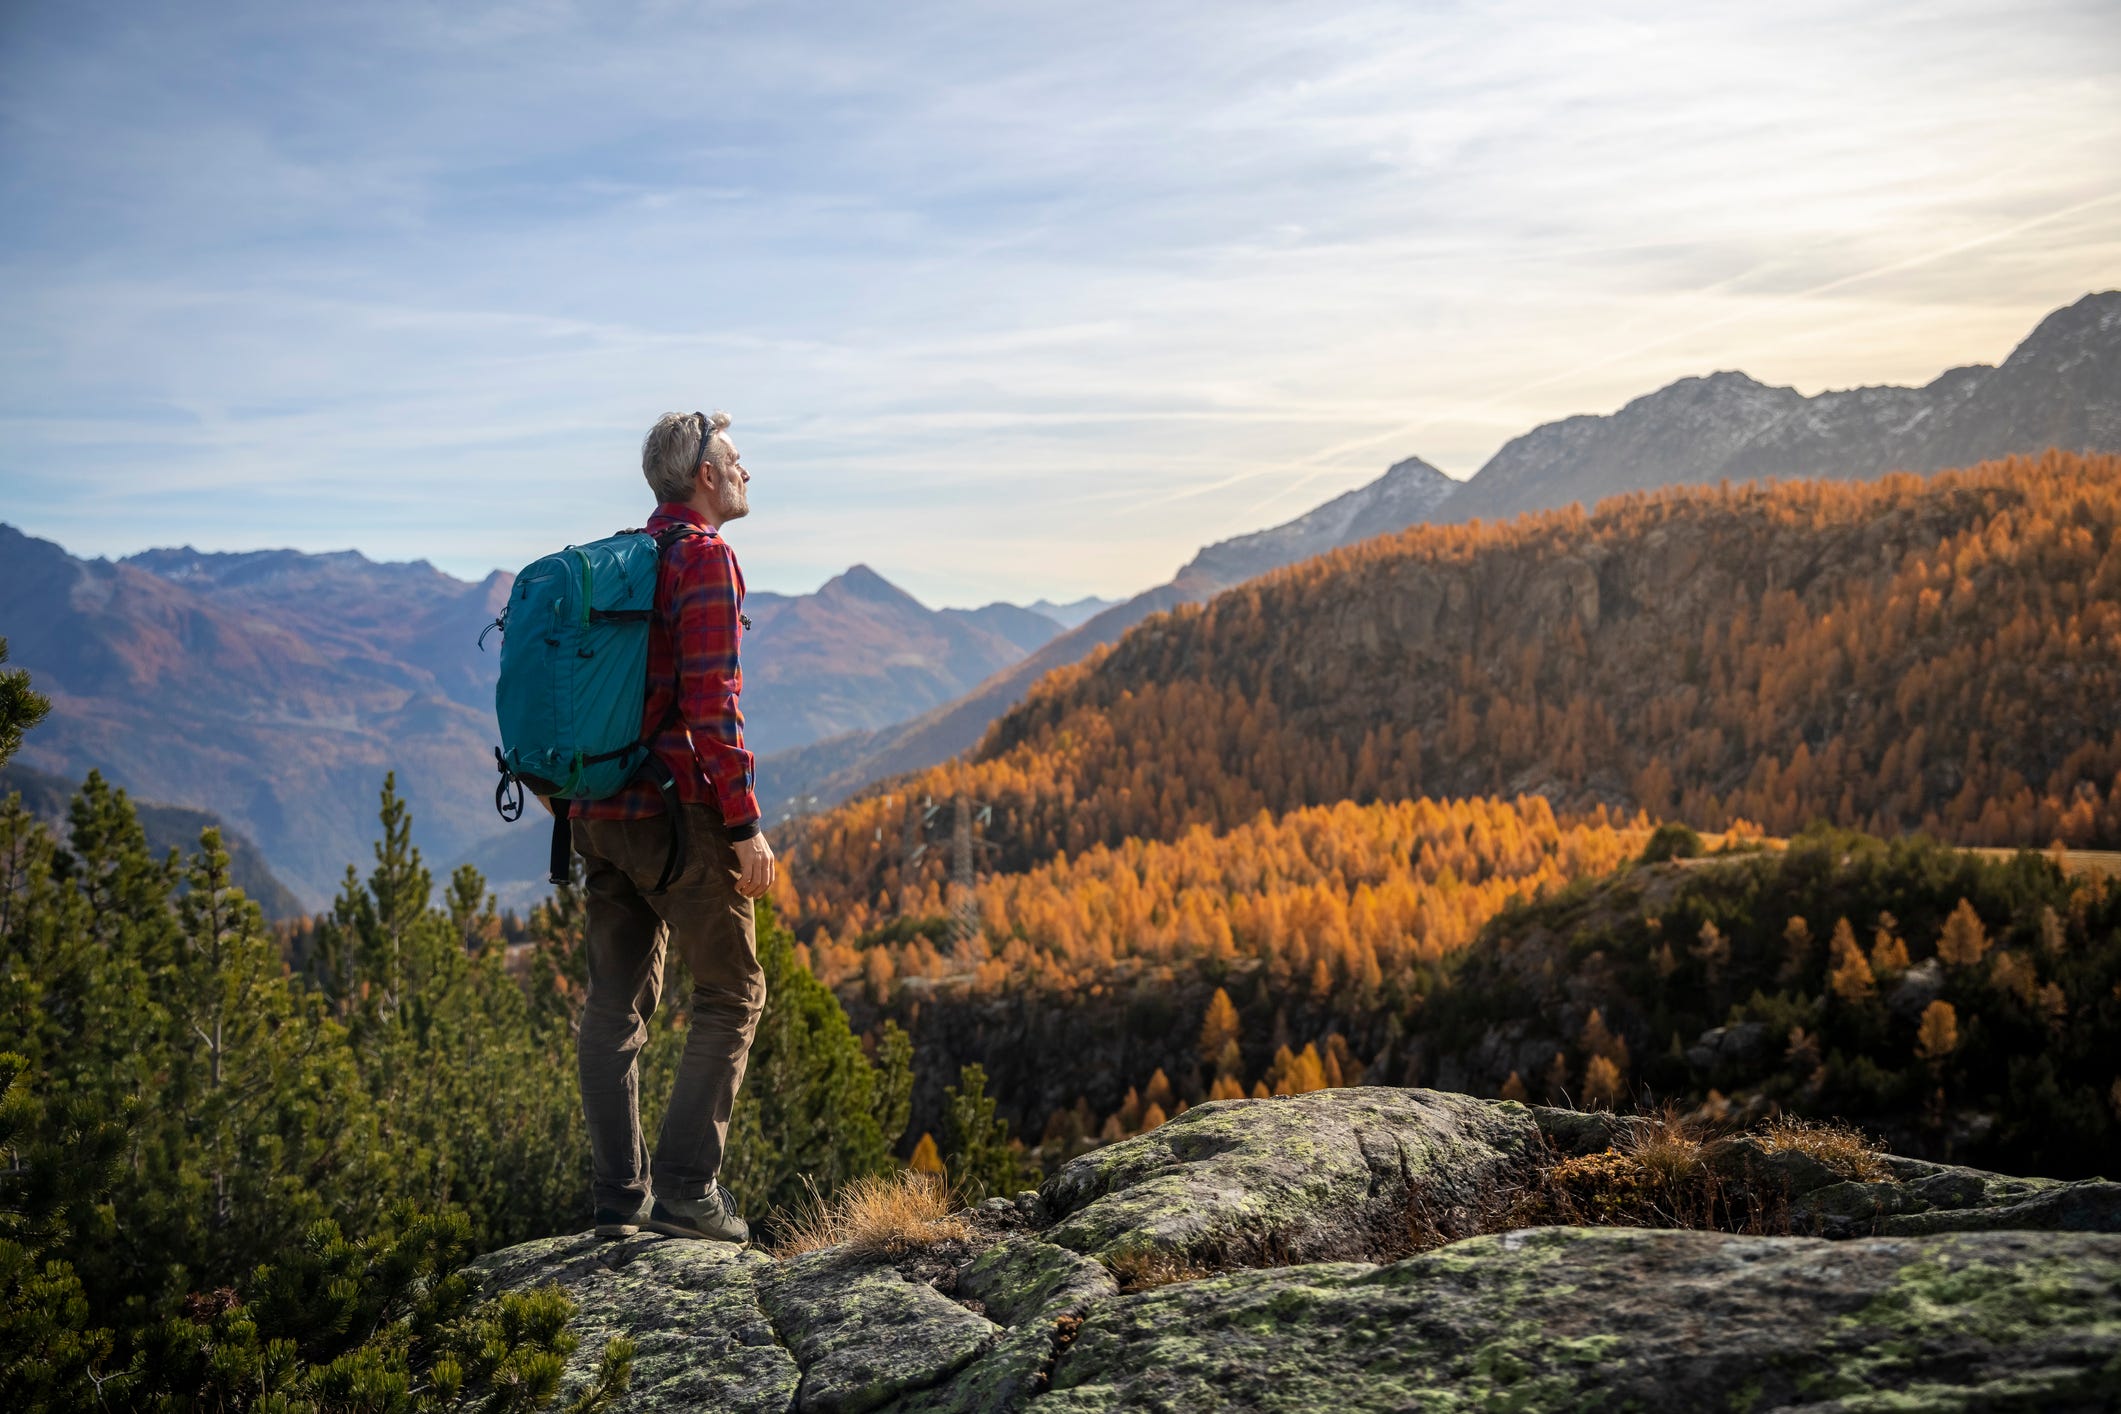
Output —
<point x="712" y="1216"/>
<point x="612" y="1222"/>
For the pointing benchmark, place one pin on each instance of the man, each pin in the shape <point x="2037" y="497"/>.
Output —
<point x="693" y="683"/>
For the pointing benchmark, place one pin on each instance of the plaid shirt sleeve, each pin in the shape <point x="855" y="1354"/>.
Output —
<point x="705" y="609"/>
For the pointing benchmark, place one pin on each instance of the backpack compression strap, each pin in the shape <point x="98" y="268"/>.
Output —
<point x="560" y="861"/>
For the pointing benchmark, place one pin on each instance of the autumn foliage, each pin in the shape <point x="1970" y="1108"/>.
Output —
<point x="1937" y="654"/>
<point x="1344" y="901"/>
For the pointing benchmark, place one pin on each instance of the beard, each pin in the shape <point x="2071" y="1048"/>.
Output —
<point x="734" y="501"/>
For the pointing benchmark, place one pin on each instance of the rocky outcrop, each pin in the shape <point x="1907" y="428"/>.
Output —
<point x="1618" y="1318"/>
<point x="1968" y="1291"/>
<point x="1332" y="1175"/>
<point x="702" y="1340"/>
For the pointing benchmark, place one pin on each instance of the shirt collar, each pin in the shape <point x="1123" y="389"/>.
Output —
<point x="674" y="512"/>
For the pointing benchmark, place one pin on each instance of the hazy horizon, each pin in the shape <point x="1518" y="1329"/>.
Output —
<point x="1008" y="304"/>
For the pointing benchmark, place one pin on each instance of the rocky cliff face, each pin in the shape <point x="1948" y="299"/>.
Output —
<point x="1307" y="1253"/>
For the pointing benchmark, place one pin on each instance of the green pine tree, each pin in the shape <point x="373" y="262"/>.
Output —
<point x="981" y="1159"/>
<point x="20" y="708"/>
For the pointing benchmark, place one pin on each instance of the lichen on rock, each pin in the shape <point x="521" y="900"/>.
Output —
<point x="1310" y="1177"/>
<point x="1619" y="1318"/>
<point x="691" y="1310"/>
<point x="863" y="1334"/>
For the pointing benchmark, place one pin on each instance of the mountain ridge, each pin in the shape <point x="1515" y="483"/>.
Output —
<point x="2061" y="386"/>
<point x="273" y="689"/>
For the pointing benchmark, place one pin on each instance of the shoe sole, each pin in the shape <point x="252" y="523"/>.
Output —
<point x="617" y="1229"/>
<point x="671" y="1229"/>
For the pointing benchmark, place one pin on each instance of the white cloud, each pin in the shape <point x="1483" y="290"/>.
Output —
<point x="1007" y="301"/>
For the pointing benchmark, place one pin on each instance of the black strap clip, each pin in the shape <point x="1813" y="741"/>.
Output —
<point x="508" y="795"/>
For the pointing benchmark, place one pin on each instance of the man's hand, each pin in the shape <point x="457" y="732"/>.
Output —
<point x="754" y="858"/>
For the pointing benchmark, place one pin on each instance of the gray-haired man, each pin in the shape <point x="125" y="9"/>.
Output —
<point x="694" y="679"/>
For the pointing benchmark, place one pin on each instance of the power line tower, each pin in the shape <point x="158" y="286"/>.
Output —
<point x="967" y="816"/>
<point x="964" y="897"/>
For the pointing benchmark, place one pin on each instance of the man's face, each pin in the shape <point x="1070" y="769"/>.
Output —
<point x="726" y="472"/>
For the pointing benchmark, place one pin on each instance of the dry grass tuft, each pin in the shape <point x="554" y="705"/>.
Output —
<point x="889" y="1216"/>
<point x="1843" y="1148"/>
<point x="1668" y="1145"/>
<point x="1144" y="1270"/>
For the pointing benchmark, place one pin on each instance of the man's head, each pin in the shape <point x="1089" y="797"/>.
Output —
<point x="688" y="458"/>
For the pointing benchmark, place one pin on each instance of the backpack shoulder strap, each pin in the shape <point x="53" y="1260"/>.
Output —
<point x="671" y="534"/>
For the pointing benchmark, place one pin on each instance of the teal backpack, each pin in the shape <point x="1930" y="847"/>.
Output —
<point x="574" y="684"/>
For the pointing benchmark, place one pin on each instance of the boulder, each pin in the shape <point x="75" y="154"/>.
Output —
<point x="1620" y="1318"/>
<point x="1917" y="988"/>
<point x="1719" y="1046"/>
<point x="1299" y="1178"/>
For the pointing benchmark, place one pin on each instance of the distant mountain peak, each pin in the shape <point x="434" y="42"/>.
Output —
<point x="1407" y="493"/>
<point x="863" y="583"/>
<point x="1412" y="469"/>
<point x="2074" y="331"/>
<point x="1071" y="614"/>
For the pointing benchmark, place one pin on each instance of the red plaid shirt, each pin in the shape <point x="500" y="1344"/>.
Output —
<point x="692" y="657"/>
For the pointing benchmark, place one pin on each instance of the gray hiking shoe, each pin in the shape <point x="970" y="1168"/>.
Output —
<point x="711" y="1216"/>
<point x="611" y="1222"/>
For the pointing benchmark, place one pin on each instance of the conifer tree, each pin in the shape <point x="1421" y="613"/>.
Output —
<point x="1850" y="977"/>
<point x="1964" y="942"/>
<point x="1796" y="951"/>
<point x="1712" y="950"/>
<point x="20" y="708"/>
<point x="1219" y="1032"/>
<point x="1888" y="949"/>
<point x="1601" y="1082"/>
<point x="1938" y="1034"/>
<point x="982" y="1160"/>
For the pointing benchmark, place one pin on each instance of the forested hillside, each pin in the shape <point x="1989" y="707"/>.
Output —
<point x="1088" y="974"/>
<point x="1909" y="654"/>
<point x="1968" y="1008"/>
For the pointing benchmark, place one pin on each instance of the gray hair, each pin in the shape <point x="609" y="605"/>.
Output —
<point x="676" y="445"/>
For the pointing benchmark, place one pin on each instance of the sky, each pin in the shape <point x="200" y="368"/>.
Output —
<point x="1005" y="301"/>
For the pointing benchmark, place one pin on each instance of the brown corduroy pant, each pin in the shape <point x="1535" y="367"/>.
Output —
<point x="628" y="934"/>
